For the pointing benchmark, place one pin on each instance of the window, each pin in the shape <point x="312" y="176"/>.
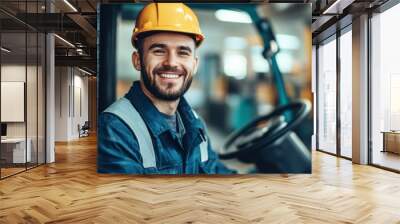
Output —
<point x="346" y="94"/>
<point x="385" y="88"/>
<point x="327" y="96"/>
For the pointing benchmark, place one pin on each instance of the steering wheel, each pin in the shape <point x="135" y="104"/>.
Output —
<point x="265" y="131"/>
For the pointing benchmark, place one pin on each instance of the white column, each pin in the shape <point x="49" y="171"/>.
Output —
<point x="360" y="90"/>
<point x="50" y="100"/>
<point x="50" y="92"/>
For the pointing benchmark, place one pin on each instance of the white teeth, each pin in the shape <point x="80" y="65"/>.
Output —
<point x="169" y="76"/>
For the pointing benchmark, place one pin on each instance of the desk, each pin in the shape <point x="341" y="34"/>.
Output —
<point x="13" y="150"/>
<point x="391" y="141"/>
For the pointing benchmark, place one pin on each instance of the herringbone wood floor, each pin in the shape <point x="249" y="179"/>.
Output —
<point x="70" y="191"/>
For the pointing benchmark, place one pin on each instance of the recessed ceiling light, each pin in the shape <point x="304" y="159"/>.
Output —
<point x="5" y="50"/>
<point x="84" y="71"/>
<point x="70" y="5"/>
<point x="64" y="40"/>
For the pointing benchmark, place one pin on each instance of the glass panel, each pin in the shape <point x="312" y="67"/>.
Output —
<point x="41" y="99"/>
<point x="32" y="88"/>
<point x="346" y="94"/>
<point x="13" y="87"/>
<point x="31" y="98"/>
<point x="385" y="84"/>
<point x="22" y="79"/>
<point x="327" y="97"/>
<point x="14" y="154"/>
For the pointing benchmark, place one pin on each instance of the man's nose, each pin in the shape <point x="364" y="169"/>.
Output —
<point x="171" y="60"/>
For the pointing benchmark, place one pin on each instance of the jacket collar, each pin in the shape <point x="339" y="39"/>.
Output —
<point x="156" y="123"/>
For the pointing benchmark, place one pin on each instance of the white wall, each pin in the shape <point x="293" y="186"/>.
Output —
<point x="70" y="83"/>
<point x="79" y="117"/>
<point x="13" y="72"/>
<point x="61" y="103"/>
<point x="33" y="125"/>
<point x="17" y="73"/>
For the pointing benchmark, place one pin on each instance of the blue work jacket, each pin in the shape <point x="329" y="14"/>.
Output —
<point x="118" y="148"/>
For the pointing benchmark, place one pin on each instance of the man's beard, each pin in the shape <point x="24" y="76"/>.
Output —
<point x="159" y="93"/>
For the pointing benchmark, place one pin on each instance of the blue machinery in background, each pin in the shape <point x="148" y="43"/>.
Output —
<point x="270" y="50"/>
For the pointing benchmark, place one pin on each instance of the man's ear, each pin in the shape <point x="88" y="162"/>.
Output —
<point x="136" y="60"/>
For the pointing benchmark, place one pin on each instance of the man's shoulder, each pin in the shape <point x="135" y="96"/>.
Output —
<point x="112" y="122"/>
<point x="111" y="128"/>
<point x="116" y="111"/>
<point x="108" y="117"/>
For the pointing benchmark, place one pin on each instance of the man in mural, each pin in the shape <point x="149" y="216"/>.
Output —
<point x="153" y="130"/>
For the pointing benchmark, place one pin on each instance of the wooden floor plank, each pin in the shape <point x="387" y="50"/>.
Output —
<point x="70" y="191"/>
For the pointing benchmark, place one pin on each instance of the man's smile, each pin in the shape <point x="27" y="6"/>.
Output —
<point x="170" y="75"/>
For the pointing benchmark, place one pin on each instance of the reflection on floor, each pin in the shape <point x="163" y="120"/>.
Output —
<point x="70" y="191"/>
<point x="10" y="169"/>
<point x="386" y="159"/>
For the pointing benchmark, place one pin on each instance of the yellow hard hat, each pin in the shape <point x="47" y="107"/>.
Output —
<point x="172" y="17"/>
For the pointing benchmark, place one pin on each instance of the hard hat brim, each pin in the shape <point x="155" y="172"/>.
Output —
<point x="198" y="37"/>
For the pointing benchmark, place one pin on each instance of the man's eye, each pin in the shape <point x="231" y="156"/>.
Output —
<point x="158" y="51"/>
<point x="185" y="53"/>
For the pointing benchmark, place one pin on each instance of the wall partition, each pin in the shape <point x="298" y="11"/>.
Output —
<point x="14" y="153"/>
<point x="22" y="77"/>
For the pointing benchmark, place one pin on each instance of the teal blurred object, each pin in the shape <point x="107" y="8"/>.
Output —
<point x="243" y="113"/>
